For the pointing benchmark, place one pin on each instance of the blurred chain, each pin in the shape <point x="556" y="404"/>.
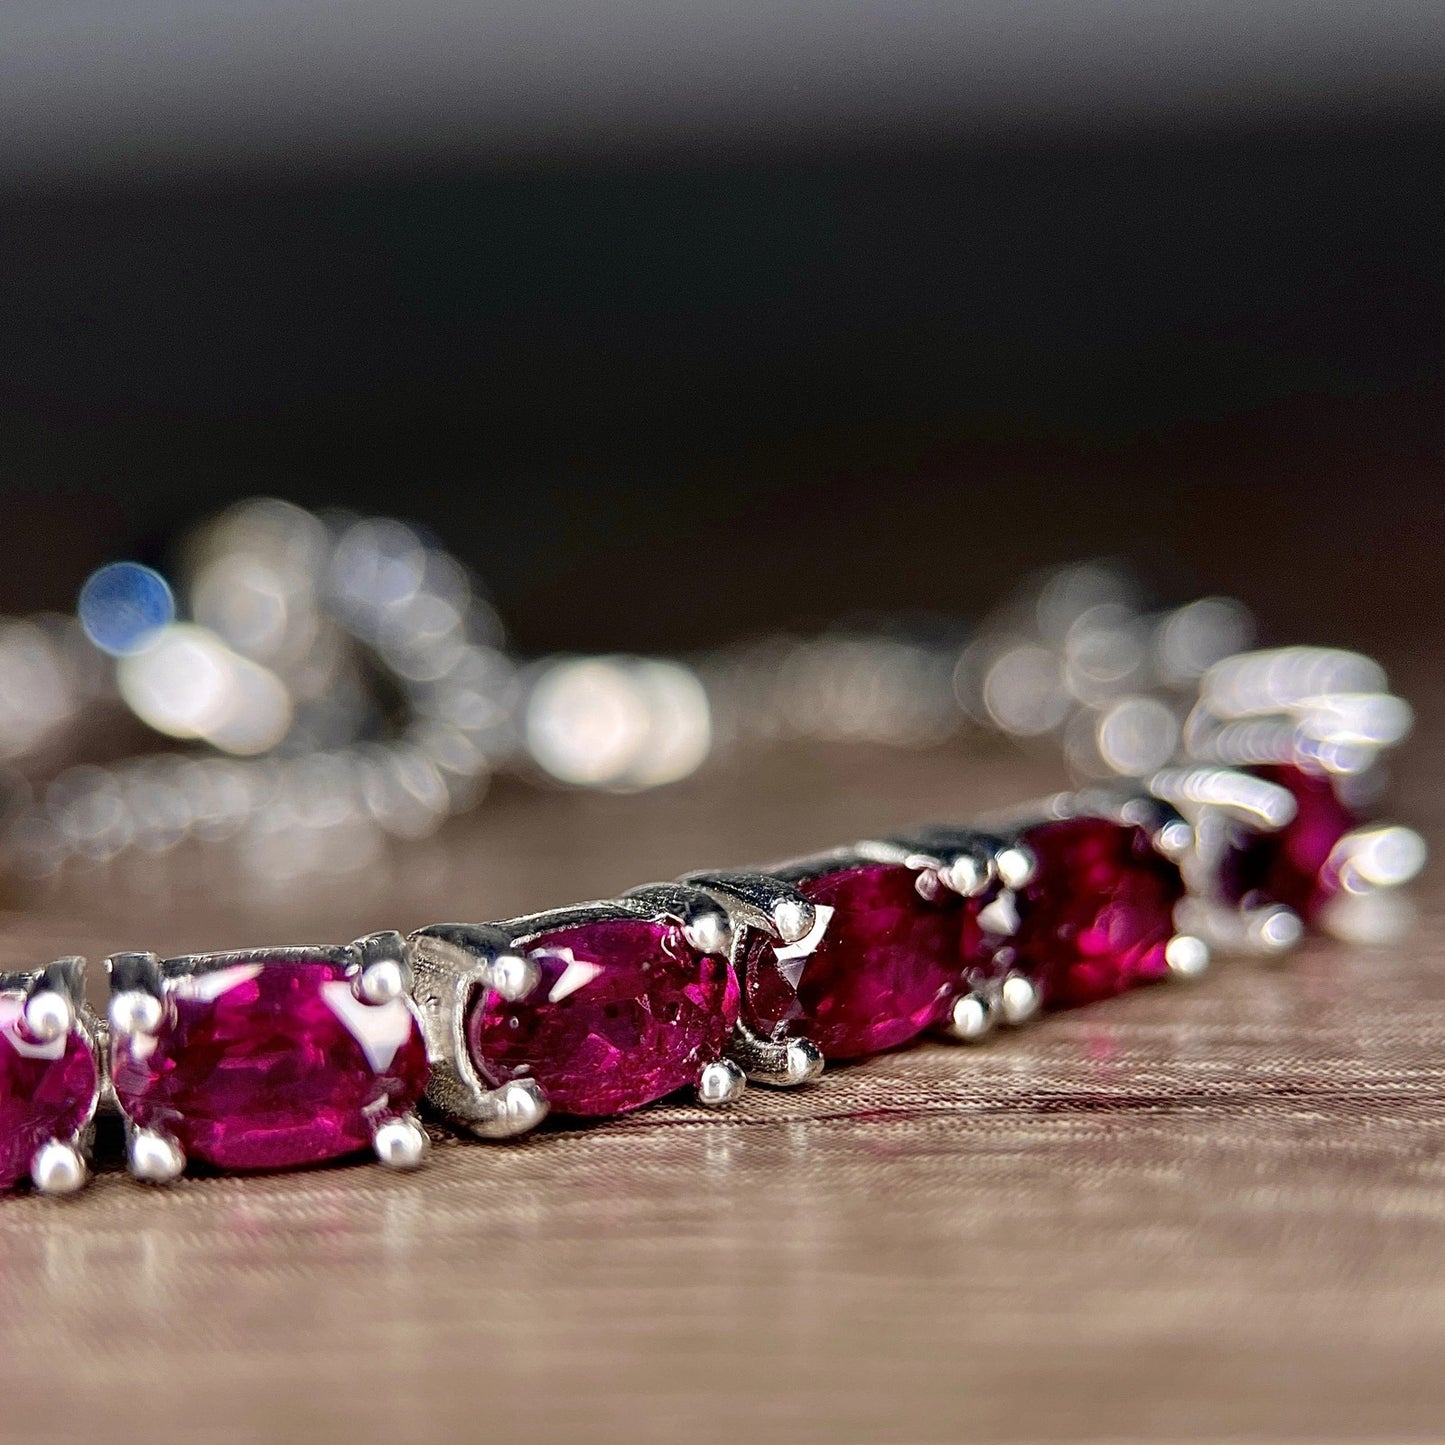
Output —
<point x="340" y="680"/>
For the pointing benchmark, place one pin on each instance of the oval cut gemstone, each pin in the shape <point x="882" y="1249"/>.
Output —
<point x="47" y="1090"/>
<point x="271" y="1064"/>
<point x="1098" y="914"/>
<point x="1292" y="866"/>
<point x="625" y="1013"/>
<point x="882" y="965"/>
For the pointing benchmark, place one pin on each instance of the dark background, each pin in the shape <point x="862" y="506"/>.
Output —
<point x="663" y="391"/>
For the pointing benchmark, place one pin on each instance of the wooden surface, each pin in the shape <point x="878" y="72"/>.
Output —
<point x="1198" y="1213"/>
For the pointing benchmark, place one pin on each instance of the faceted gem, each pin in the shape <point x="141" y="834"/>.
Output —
<point x="270" y="1064"/>
<point x="47" y="1090"/>
<point x="1098" y="914"/>
<point x="625" y="1013"/>
<point x="883" y="963"/>
<point x="1291" y="866"/>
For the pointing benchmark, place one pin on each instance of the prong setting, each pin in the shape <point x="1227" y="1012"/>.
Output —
<point x="780" y="1063"/>
<point x="705" y="922"/>
<point x="262" y="1059"/>
<point x="49" y="1015"/>
<point x="402" y="1144"/>
<point x="721" y="1082"/>
<point x="451" y="961"/>
<point x="1019" y="1000"/>
<point x="383" y="974"/>
<point x="710" y="932"/>
<point x="512" y="977"/>
<point x="381" y="982"/>
<point x="793" y="919"/>
<point x="59" y="1168"/>
<point x="50" y="1077"/>
<point x="134" y="1013"/>
<point x="972" y="1017"/>
<point x="1016" y="866"/>
<point x="136" y="993"/>
<point x="155" y="1158"/>
<point x="1186" y="956"/>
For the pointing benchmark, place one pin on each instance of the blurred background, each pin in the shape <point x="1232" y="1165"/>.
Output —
<point x="680" y="322"/>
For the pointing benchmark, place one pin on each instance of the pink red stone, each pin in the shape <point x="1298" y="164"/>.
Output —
<point x="1291" y="866"/>
<point x="271" y="1064"/>
<point x="47" y="1090"/>
<point x="886" y="967"/>
<point x="1098" y="913"/>
<point x="625" y="1013"/>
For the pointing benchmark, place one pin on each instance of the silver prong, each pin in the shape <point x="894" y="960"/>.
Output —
<point x="515" y="1108"/>
<point x="155" y="1158"/>
<point x="381" y="982"/>
<point x="1016" y="865"/>
<point x="760" y="901"/>
<point x="401" y="1143"/>
<point x="710" y="933"/>
<point x="135" y="1012"/>
<point x="482" y="951"/>
<point x="1019" y="1000"/>
<point x="1274" y="929"/>
<point x="793" y="918"/>
<point x="1262" y="932"/>
<point x="1267" y="680"/>
<point x="721" y="1082"/>
<point x="1256" y="803"/>
<point x="1174" y="840"/>
<point x="802" y="1062"/>
<point x="387" y="943"/>
<point x="960" y="859"/>
<point x="127" y="971"/>
<point x="58" y="1168"/>
<point x="705" y="923"/>
<point x="49" y="1015"/>
<point x="1186" y="955"/>
<point x="782" y="1064"/>
<point x="1383" y="856"/>
<point x="971" y="1018"/>
<point x="512" y="976"/>
<point x="968" y="875"/>
<point x="385" y="971"/>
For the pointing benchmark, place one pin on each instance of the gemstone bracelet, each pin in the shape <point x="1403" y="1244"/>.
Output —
<point x="1257" y="826"/>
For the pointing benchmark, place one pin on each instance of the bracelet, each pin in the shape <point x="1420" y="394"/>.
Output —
<point x="1229" y="807"/>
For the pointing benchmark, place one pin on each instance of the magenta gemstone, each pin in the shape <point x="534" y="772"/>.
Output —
<point x="625" y="1013"/>
<point x="887" y="964"/>
<point x="47" y="1090"/>
<point x="271" y="1063"/>
<point x="1099" y="912"/>
<point x="1293" y="865"/>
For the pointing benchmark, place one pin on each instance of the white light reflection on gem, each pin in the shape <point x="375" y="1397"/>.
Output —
<point x="791" y="958"/>
<point x="576" y="973"/>
<point x="215" y="984"/>
<point x="380" y="1029"/>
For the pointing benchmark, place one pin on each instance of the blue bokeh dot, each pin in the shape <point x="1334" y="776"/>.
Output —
<point x="123" y="605"/>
